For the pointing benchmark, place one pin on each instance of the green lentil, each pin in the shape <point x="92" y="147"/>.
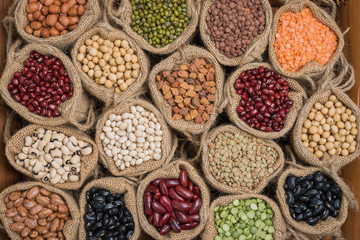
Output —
<point x="159" y="22"/>
<point x="244" y="219"/>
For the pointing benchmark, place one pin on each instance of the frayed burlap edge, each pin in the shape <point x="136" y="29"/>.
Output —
<point x="71" y="226"/>
<point x="173" y="171"/>
<point x="88" y="163"/>
<point x="296" y="95"/>
<point x="329" y="6"/>
<point x="210" y="231"/>
<point x="253" y="52"/>
<point x="264" y="181"/>
<point x="114" y="185"/>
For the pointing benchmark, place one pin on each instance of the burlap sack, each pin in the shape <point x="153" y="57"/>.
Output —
<point x="313" y="68"/>
<point x="88" y="163"/>
<point x="328" y="5"/>
<point x="91" y="15"/>
<point x="74" y="110"/>
<point x="121" y="12"/>
<point x="114" y="185"/>
<point x="296" y="95"/>
<point x="182" y="56"/>
<point x="108" y="95"/>
<point x="168" y="145"/>
<point x="71" y="226"/>
<point x="173" y="171"/>
<point x="253" y="52"/>
<point x="210" y="231"/>
<point x="264" y="181"/>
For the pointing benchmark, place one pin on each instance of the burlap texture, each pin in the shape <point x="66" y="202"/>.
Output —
<point x="114" y="185"/>
<point x="91" y="15"/>
<point x="74" y="110"/>
<point x="313" y="68"/>
<point x="253" y="52"/>
<point x="210" y="231"/>
<point x="173" y="171"/>
<point x="264" y="181"/>
<point x="108" y="95"/>
<point x="296" y="94"/>
<point x="88" y="163"/>
<point x="71" y="226"/>
<point x="328" y="5"/>
<point x="167" y="145"/>
<point x="122" y="17"/>
<point x="182" y="56"/>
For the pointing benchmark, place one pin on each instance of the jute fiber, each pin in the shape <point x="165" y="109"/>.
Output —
<point x="122" y="16"/>
<point x="183" y="56"/>
<point x="91" y="15"/>
<point x="88" y="163"/>
<point x="173" y="171"/>
<point x="328" y="5"/>
<point x="71" y="226"/>
<point x="253" y="52"/>
<point x="223" y="187"/>
<point x="311" y="69"/>
<point x="114" y="185"/>
<point x="74" y="110"/>
<point x="210" y="231"/>
<point x="296" y="93"/>
<point x="168" y="144"/>
<point x="109" y="95"/>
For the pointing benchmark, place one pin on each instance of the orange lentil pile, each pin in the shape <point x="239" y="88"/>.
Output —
<point x="301" y="38"/>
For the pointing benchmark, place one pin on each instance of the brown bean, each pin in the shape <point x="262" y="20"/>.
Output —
<point x="57" y="3"/>
<point x="31" y="223"/>
<point x="45" y="11"/>
<point x="43" y="200"/>
<point x="65" y="8"/>
<point x="80" y="10"/>
<point x="41" y="18"/>
<point x="22" y="211"/>
<point x="54" y="9"/>
<point x="72" y="12"/>
<point x="34" y="191"/>
<point x="10" y="205"/>
<point x="30" y="17"/>
<point x="72" y="27"/>
<point x="52" y="207"/>
<point x="6" y="200"/>
<point x="59" y="27"/>
<point x="18" y="202"/>
<point x="36" y="209"/>
<point x="34" y="217"/>
<point x="56" y="199"/>
<point x="41" y="229"/>
<point x="54" y="225"/>
<point x="32" y="7"/>
<point x="14" y="195"/>
<point x="25" y="232"/>
<point x="29" y="203"/>
<point x="28" y="29"/>
<point x="51" y="217"/>
<point x="45" y="192"/>
<point x="23" y="194"/>
<point x="45" y="213"/>
<point x="61" y="215"/>
<point x="42" y="222"/>
<point x="73" y="20"/>
<point x="54" y="32"/>
<point x="34" y="234"/>
<point x="45" y="33"/>
<point x="39" y="238"/>
<point x="32" y="1"/>
<point x="61" y="236"/>
<point x="61" y="225"/>
<point x="64" y="20"/>
<point x="36" y="15"/>
<point x="43" y="24"/>
<point x="48" y="2"/>
<point x="81" y="2"/>
<point x="37" y="33"/>
<point x="51" y="20"/>
<point x="64" y="32"/>
<point x="17" y="227"/>
<point x="64" y="1"/>
<point x="18" y="218"/>
<point x="49" y="235"/>
<point x="72" y="3"/>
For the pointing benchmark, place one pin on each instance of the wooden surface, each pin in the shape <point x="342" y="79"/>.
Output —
<point x="347" y="17"/>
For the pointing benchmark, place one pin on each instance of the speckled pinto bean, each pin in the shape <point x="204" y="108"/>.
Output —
<point x="33" y="219"/>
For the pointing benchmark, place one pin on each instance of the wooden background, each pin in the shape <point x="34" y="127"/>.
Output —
<point x="348" y="16"/>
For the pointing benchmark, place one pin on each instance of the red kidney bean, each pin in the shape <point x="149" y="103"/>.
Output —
<point x="175" y="226"/>
<point x="190" y="186"/>
<point x="166" y="202"/>
<point x="171" y="182"/>
<point x="157" y="181"/>
<point x="194" y="217"/>
<point x="148" y="201"/>
<point x="165" y="230"/>
<point x="157" y="196"/>
<point x="157" y="207"/>
<point x="182" y="217"/>
<point x="151" y="219"/>
<point x="151" y="188"/>
<point x="180" y="205"/>
<point x="164" y="219"/>
<point x="188" y="226"/>
<point x="184" y="192"/>
<point x="183" y="178"/>
<point x="174" y="195"/>
<point x="196" y="205"/>
<point x="163" y="188"/>
<point x="157" y="217"/>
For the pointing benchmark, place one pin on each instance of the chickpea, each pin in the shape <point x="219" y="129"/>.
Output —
<point x="318" y="117"/>
<point x="329" y="104"/>
<point x="113" y="69"/>
<point x="324" y="111"/>
<point x="344" y="152"/>
<point x="102" y="80"/>
<point x="322" y="141"/>
<point x="128" y="65"/>
<point x="329" y="145"/>
<point x="125" y="44"/>
<point x="98" y="74"/>
<point x="304" y="130"/>
<point x="332" y="152"/>
<point x="136" y="66"/>
<point x="130" y="81"/>
<point x="331" y="139"/>
<point x="95" y="38"/>
<point x="348" y="112"/>
<point x="351" y="149"/>
<point x="100" y="41"/>
<point x="338" y="111"/>
<point x="352" y="118"/>
<point x="315" y="123"/>
<point x="88" y="42"/>
<point x="123" y="86"/>
<point x="307" y="123"/>
<point x="122" y="51"/>
<point x="349" y="138"/>
<point x="333" y="98"/>
<point x="319" y="154"/>
<point x="121" y="68"/>
<point x="322" y="148"/>
<point x="108" y="84"/>
<point x="304" y="137"/>
<point x="313" y="130"/>
<point x="102" y="62"/>
<point x="127" y="74"/>
<point x="130" y="51"/>
<point x="95" y="45"/>
<point x="311" y="116"/>
<point x="112" y="77"/>
<point x="116" y="54"/>
<point x="85" y="61"/>
<point x="338" y="104"/>
<point x="91" y="65"/>
<point x="91" y="73"/>
<point x="316" y="137"/>
<point x="337" y="144"/>
<point x="95" y="59"/>
<point x="354" y="131"/>
<point x="345" y="145"/>
<point x="85" y="68"/>
<point x="117" y="43"/>
<point x="119" y="75"/>
<point x="80" y="57"/>
<point x="89" y="57"/>
<point x="82" y="49"/>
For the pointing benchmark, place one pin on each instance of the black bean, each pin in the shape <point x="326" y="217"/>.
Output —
<point x="299" y="217"/>
<point x="308" y="214"/>
<point x="320" y="186"/>
<point x="316" y="201"/>
<point x="335" y="190"/>
<point x="108" y="206"/>
<point x="304" y="199"/>
<point x="337" y="204"/>
<point x="309" y="177"/>
<point x="99" y="198"/>
<point x="89" y="217"/>
<point x="325" y="214"/>
<point x="298" y="191"/>
<point x="313" y="221"/>
<point x="318" y="210"/>
<point x="335" y="213"/>
<point x="291" y="182"/>
<point x="312" y="192"/>
<point x="129" y="234"/>
<point x="330" y="206"/>
<point x="290" y="198"/>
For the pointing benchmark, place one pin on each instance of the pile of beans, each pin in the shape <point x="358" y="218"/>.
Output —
<point x="42" y="85"/>
<point x="159" y="22"/>
<point x="37" y="213"/>
<point x="312" y="198"/>
<point x="132" y="138"/>
<point x="173" y="204"/>
<point x="190" y="90"/>
<point x="301" y="38"/>
<point x="264" y="99"/>
<point x="109" y="63"/>
<point x="233" y="24"/>
<point x="244" y="219"/>
<point x="51" y="18"/>
<point x="53" y="156"/>
<point x="106" y="216"/>
<point x="330" y="129"/>
<point x="240" y="161"/>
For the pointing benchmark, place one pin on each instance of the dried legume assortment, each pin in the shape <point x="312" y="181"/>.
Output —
<point x="159" y="22"/>
<point x="51" y="18"/>
<point x="132" y="138"/>
<point x="190" y="90"/>
<point x="301" y="38"/>
<point x="264" y="99"/>
<point x="106" y="216"/>
<point x="173" y="204"/>
<point x="330" y="129"/>
<point x="233" y="25"/>
<point x="42" y="85"/>
<point x="312" y="198"/>
<point x="244" y="219"/>
<point x="37" y="213"/>
<point x="53" y="156"/>
<point x="109" y="63"/>
<point x="240" y="161"/>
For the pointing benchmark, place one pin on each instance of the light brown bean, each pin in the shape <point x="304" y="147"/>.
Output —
<point x="80" y="10"/>
<point x="33" y="192"/>
<point x="64" y="20"/>
<point x="34" y="234"/>
<point x="45" y="192"/>
<point x="31" y="223"/>
<point x="51" y="20"/>
<point x="54" y="9"/>
<point x="59" y="27"/>
<point x="43" y="200"/>
<point x="36" y="209"/>
<point x="45" y="213"/>
<point x="30" y="17"/>
<point x="17" y="227"/>
<point x="22" y="211"/>
<point x="14" y="195"/>
<point x="54" y="225"/>
<point x="25" y="232"/>
<point x="42" y="222"/>
<point x="65" y="8"/>
<point x="32" y="7"/>
<point x="48" y="2"/>
<point x="54" y="32"/>
<point x="36" y="15"/>
<point x="29" y="203"/>
<point x="18" y="202"/>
